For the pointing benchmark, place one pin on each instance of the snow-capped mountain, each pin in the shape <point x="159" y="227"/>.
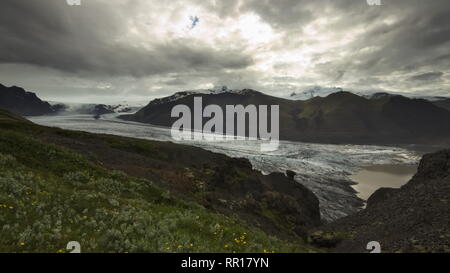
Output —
<point x="319" y="91"/>
<point x="93" y="109"/>
<point x="314" y="91"/>
<point x="212" y="91"/>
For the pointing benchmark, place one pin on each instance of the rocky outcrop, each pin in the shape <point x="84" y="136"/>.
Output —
<point x="19" y="101"/>
<point x="380" y="195"/>
<point x="101" y="109"/>
<point x="414" y="218"/>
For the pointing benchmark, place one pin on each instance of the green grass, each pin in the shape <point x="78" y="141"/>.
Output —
<point x="50" y="195"/>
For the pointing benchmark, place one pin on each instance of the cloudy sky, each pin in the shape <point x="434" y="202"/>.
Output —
<point x="114" y="50"/>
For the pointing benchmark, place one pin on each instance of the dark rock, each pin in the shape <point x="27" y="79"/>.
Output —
<point x="325" y="239"/>
<point x="101" y="109"/>
<point x="291" y="174"/>
<point x="414" y="218"/>
<point x="380" y="195"/>
<point x="433" y="166"/>
<point x="58" y="108"/>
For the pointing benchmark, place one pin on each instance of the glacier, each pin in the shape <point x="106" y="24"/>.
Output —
<point x="323" y="168"/>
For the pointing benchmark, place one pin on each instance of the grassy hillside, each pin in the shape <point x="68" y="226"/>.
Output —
<point x="50" y="195"/>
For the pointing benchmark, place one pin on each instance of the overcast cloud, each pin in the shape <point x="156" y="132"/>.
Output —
<point x="106" y="50"/>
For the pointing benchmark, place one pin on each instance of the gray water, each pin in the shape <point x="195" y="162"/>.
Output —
<point x="325" y="169"/>
<point x="371" y="178"/>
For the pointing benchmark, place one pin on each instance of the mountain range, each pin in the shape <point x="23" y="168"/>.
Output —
<point x="319" y="91"/>
<point x="19" y="101"/>
<point x="24" y="103"/>
<point x="339" y="118"/>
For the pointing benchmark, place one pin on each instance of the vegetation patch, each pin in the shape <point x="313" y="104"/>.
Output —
<point x="50" y="195"/>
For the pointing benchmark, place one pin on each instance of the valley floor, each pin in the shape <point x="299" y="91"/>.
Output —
<point x="324" y="169"/>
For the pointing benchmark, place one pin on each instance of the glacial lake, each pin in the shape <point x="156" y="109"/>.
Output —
<point x="371" y="178"/>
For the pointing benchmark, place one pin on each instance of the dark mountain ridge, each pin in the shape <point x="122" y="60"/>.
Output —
<point x="340" y="118"/>
<point x="21" y="102"/>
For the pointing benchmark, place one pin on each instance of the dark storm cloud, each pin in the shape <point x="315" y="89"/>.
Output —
<point x="419" y="37"/>
<point x="291" y="14"/>
<point x="411" y="43"/>
<point x="431" y="76"/>
<point x="401" y="45"/>
<point x="83" y="39"/>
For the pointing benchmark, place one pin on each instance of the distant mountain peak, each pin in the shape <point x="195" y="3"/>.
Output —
<point x="339" y="117"/>
<point x="343" y="93"/>
<point x="314" y="91"/>
<point x="19" y="101"/>
<point x="213" y="91"/>
<point x="380" y="95"/>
